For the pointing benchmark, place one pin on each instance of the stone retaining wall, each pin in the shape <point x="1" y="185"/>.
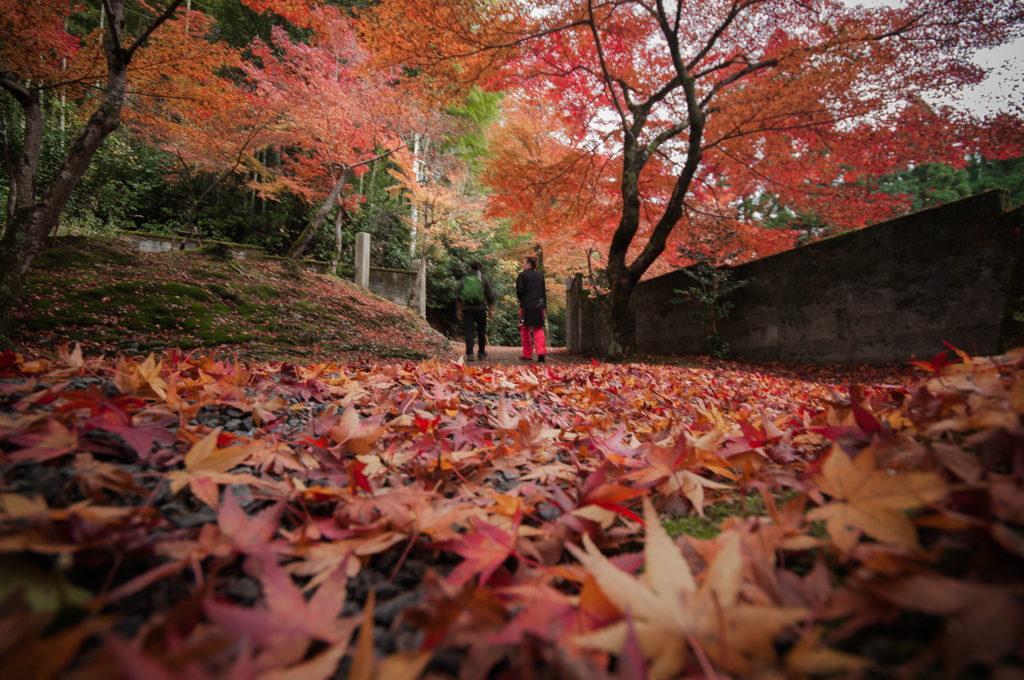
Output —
<point x="391" y="284"/>
<point x="885" y="293"/>
<point x="156" y="243"/>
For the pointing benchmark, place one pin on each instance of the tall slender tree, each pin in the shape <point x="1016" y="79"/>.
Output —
<point x="341" y="113"/>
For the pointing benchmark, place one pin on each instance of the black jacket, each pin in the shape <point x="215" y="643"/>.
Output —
<point x="530" y="290"/>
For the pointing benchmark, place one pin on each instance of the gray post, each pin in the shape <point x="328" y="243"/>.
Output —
<point x="363" y="259"/>
<point x="421" y="295"/>
<point x="418" y="299"/>
<point x="572" y="311"/>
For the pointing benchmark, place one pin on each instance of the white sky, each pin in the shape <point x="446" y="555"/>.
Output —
<point x="1003" y="87"/>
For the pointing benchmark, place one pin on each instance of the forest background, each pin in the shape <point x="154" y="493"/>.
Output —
<point x="295" y="129"/>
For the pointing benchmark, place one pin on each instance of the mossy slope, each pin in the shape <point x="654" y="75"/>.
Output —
<point x="109" y="297"/>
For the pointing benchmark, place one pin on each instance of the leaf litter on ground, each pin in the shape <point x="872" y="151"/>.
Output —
<point x="184" y="516"/>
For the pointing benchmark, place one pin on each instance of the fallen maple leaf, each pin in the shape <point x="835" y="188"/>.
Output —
<point x="205" y="456"/>
<point x="141" y="435"/>
<point x="671" y="613"/>
<point x="484" y="550"/>
<point x="58" y="440"/>
<point x="288" y="624"/>
<point x="666" y="469"/>
<point x="95" y="477"/>
<point x="248" y="533"/>
<point x="871" y="500"/>
<point x="355" y="434"/>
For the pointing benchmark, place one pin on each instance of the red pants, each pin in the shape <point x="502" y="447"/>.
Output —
<point x="538" y="341"/>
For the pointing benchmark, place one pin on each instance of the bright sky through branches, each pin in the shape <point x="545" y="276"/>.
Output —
<point x="1003" y="87"/>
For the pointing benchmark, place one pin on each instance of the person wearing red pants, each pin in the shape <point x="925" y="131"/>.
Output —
<point x="532" y="305"/>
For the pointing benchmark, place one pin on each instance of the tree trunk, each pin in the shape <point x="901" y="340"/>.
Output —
<point x="192" y="207"/>
<point x="30" y="224"/>
<point x="33" y="219"/>
<point x="12" y="190"/>
<point x="621" y="318"/>
<point x="306" y="237"/>
<point x="421" y="272"/>
<point x="622" y="278"/>
<point x="340" y="219"/>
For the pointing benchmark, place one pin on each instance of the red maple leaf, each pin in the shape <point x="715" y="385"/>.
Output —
<point x="484" y="550"/>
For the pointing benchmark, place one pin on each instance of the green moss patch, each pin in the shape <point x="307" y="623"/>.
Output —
<point x="262" y="292"/>
<point x="79" y="252"/>
<point x="710" y="525"/>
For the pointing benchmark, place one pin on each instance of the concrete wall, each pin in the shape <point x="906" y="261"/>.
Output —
<point x="586" y="331"/>
<point x="391" y="284"/>
<point x="154" y="243"/>
<point x="881" y="294"/>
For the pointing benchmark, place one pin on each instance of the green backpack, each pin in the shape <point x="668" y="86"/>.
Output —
<point x="472" y="292"/>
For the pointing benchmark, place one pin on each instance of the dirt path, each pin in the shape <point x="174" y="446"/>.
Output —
<point x="510" y="356"/>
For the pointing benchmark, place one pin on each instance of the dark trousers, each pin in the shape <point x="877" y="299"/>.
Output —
<point x="477" y="318"/>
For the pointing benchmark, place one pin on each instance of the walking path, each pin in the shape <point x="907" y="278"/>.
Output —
<point x="510" y="356"/>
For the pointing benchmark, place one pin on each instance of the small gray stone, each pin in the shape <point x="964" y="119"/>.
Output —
<point x="242" y="495"/>
<point x="244" y="589"/>
<point x="191" y="520"/>
<point x="386" y="611"/>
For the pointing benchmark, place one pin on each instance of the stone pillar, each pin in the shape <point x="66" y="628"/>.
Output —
<point x="363" y="259"/>
<point x="572" y="313"/>
<point x="419" y="299"/>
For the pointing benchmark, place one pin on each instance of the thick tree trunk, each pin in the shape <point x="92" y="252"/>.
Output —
<point x="33" y="219"/>
<point x="306" y="237"/>
<point x="622" y="277"/>
<point x="621" y="317"/>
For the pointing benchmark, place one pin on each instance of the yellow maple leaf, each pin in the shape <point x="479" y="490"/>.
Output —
<point x="871" y="500"/>
<point x="358" y="435"/>
<point x="670" y="613"/>
<point x="262" y="411"/>
<point x="149" y="372"/>
<point x="205" y="456"/>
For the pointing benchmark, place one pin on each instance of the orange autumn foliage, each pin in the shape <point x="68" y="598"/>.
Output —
<point x="645" y="112"/>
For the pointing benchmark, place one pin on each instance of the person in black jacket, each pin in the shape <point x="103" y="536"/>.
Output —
<point x="532" y="305"/>
<point x="473" y="311"/>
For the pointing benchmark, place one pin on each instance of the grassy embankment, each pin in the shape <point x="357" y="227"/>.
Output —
<point x="109" y="297"/>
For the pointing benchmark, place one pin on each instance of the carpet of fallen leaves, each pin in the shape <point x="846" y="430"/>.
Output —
<point x="176" y="516"/>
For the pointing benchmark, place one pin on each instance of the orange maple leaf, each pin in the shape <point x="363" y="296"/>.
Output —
<point x="871" y="500"/>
